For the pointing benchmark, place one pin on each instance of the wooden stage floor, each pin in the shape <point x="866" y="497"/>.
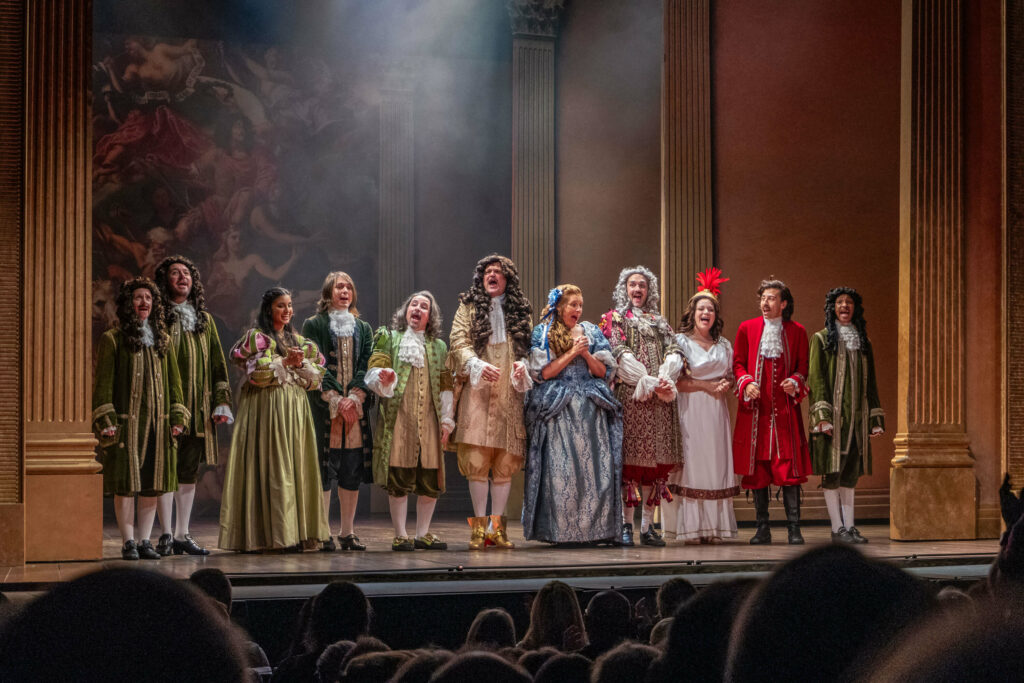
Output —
<point x="382" y="571"/>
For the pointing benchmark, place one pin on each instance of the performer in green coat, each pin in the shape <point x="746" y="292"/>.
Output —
<point x="342" y="430"/>
<point x="407" y="369"/>
<point x="844" y="408"/>
<point x="204" y="386"/>
<point x="137" y="410"/>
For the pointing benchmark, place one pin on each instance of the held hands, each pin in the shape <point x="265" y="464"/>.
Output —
<point x="665" y="390"/>
<point x="580" y="347"/>
<point x="349" y="410"/>
<point x="751" y="392"/>
<point x="294" y="358"/>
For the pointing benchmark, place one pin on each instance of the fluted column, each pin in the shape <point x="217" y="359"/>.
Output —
<point x="395" y="265"/>
<point x="686" y="219"/>
<point x="534" y="30"/>
<point x="1014" y="237"/>
<point x="932" y="478"/>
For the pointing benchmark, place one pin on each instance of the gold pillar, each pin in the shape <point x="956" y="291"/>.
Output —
<point x="12" y="137"/>
<point x="63" y="493"/>
<point x="686" y="221"/>
<point x="395" y="264"/>
<point x="932" y="480"/>
<point x="534" y="28"/>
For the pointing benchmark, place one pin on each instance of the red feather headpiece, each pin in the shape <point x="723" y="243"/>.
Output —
<point x="709" y="283"/>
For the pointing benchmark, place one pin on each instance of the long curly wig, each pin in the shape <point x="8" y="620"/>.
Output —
<point x="265" y="318"/>
<point x="688" y="321"/>
<point x="433" y="329"/>
<point x="327" y="292"/>
<point x="559" y="334"/>
<point x="197" y="297"/>
<point x="620" y="296"/>
<point x="858" y="316"/>
<point x="784" y="293"/>
<point x="517" y="309"/>
<point x="131" y="326"/>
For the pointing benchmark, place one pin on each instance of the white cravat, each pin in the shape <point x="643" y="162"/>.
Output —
<point x="343" y="323"/>
<point x="186" y="316"/>
<point x="850" y="336"/>
<point x="497" y="316"/>
<point x="771" y="338"/>
<point x="147" y="334"/>
<point x="413" y="349"/>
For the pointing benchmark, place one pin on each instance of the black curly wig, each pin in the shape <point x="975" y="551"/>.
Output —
<point x="858" y="315"/>
<point x="196" y="297"/>
<point x="517" y="309"/>
<point x="131" y="326"/>
<point x="265" y="319"/>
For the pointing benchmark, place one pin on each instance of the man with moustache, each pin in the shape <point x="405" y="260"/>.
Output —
<point x="204" y="384"/>
<point x="769" y="445"/>
<point x="490" y="340"/>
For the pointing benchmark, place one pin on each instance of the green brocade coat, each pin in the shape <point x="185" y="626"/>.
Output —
<point x="204" y="380"/>
<point x="136" y="392"/>
<point x="385" y="355"/>
<point x="844" y="393"/>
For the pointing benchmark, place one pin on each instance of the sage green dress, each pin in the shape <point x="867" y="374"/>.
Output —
<point x="272" y="493"/>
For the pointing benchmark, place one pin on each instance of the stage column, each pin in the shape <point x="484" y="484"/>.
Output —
<point x="534" y="30"/>
<point x="686" y="218"/>
<point x="932" y="479"/>
<point x="1013" y="235"/>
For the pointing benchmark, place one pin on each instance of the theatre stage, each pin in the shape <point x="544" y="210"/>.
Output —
<point x="381" y="571"/>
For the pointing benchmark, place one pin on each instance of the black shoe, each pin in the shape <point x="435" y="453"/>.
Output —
<point x="129" y="551"/>
<point x="402" y="543"/>
<point x="146" y="551"/>
<point x="294" y="549"/>
<point x="763" y="535"/>
<point x="188" y="546"/>
<point x="651" y="537"/>
<point x="329" y="546"/>
<point x="791" y="501"/>
<point x="855" y="535"/>
<point x="795" y="537"/>
<point x="163" y="545"/>
<point x="429" y="542"/>
<point x="351" y="542"/>
<point x="627" y="536"/>
<point x="842" y="536"/>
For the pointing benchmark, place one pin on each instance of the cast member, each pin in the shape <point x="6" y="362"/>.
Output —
<point x="272" y="488"/>
<point x="769" y="445"/>
<point x="574" y="463"/>
<point x="489" y="341"/>
<point x="407" y="369"/>
<point x="648" y="366"/>
<point x="204" y="386"/>
<point x="342" y="430"/>
<point x="137" y="410"/>
<point x="703" y="511"/>
<point x="845" y="411"/>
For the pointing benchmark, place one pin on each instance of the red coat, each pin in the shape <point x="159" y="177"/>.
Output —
<point x="774" y="413"/>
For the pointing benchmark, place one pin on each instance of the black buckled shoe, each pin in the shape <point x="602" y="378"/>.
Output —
<point x="402" y="544"/>
<point x="842" y="536"/>
<point x="627" y="536"/>
<point x="763" y="535"/>
<point x="855" y="535"/>
<point x="147" y="552"/>
<point x="329" y="546"/>
<point x="129" y="551"/>
<point x="188" y="546"/>
<point x="351" y="542"/>
<point x="164" y="544"/>
<point x="652" y="538"/>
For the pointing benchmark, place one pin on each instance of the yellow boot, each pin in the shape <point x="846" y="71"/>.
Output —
<point x="498" y="535"/>
<point x="478" y="535"/>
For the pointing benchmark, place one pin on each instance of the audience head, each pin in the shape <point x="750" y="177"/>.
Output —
<point x="608" y="619"/>
<point x="364" y="645"/>
<point x="564" y="668"/>
<point x="492" y="628"/>
<point x="533" y="660"/>
<point x="480" y="666"/>
<point x="329" y="664"/>
<point x="214" y="583"/>
<point x="555" y="608"/>
<point x="105" y="625"/>
<point x="421" y="666"/>
<point x="339" y="612"/>
<point x="659" y="634"/>
<point x="375" y="666"/>
<point x="672" y="594"/>
<point x="839" y="606"/>
<point x="624" y="662"/>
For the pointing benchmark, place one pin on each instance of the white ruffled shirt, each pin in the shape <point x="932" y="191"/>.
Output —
<point x="771" y="338"/>
<point x="413" y="349"/>
<point x="187" y="316"/>
<point x="497" y="317"/>
<point x="147" y="334"/>
<point x="850" y="336"/>
<point x="343" y="323"/>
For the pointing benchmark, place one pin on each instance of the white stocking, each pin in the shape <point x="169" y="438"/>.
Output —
<point x="164" y="507"/>
<point x="327" y="510"/>
<point x="399" y="509"/>
<point x="349" y="500"/>
<point x="846" y="496"/>
<point x="424" y="513"/>
<point x="669" y="517"/>
<point x="147" y="513"/>
<point x="124" y="510"/>
<point x="647" y="515"/>
<point x="832" y="503"/>
<point x="478" y="494"/>
<point x="499" y="497"/>
<point x="627" y="514"/>
<point x="184" y="497"/>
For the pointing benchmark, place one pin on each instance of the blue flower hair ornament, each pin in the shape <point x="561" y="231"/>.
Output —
<point x="553" y="296"/>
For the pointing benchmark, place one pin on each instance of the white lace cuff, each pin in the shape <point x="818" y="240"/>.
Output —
<point x="224" y="410"/>
<point x="822" y="428"/>
<point x="877" y="430"/>
<point x="671" y="367"/>
<point x="521" y="385"/>
<point x="309" y="373"/>
<point x="644" y="387"/>
<point x="448" y="409"/>
<point x="280" y="371"/>
<point x="631" y="371"/>
<point x="475" y="369"/>
<point x="374" y="384"/>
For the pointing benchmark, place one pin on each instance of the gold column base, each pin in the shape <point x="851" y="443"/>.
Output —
<point x="932" y="489"/>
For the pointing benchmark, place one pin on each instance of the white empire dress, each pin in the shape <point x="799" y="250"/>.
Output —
<point x="703" y="490"/>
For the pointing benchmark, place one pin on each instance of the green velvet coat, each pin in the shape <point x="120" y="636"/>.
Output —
<point x="204" y="380"/>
